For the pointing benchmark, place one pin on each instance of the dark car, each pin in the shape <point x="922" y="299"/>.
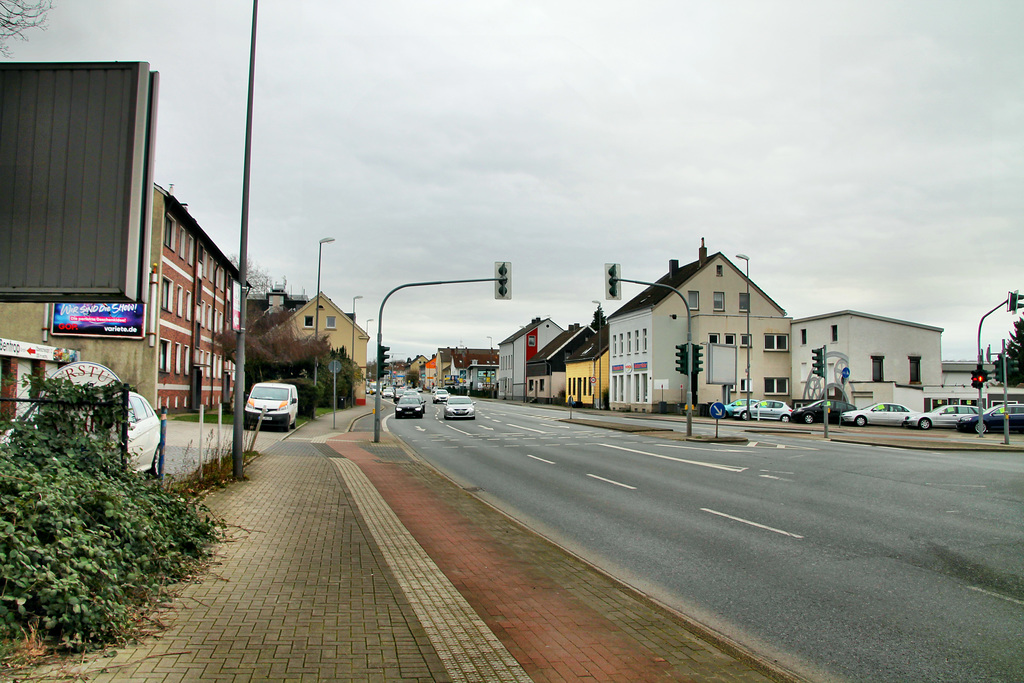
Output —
<point x="993" y="418"/>
<point x="409" y="405"/>
<point x="815" y="412"/>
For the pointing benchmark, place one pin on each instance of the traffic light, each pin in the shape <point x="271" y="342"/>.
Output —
<point x="382" y="359"/>
<point x="611" y="285"/>
<point x="682" y="359"/>
<point x="818" y="361"/>
<point x="502" y="280"/>
<point x="698" y="358"/>
<point x="978" y="377"/>
<point x="1013" y="302"/>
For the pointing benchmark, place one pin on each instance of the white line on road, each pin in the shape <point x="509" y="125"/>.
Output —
<point x="610" y="481"/>
<point x="458" y="430"/>
<point x="747" y="521"/>
<point x="997" y="595"/>
<point x="529" y="429"/>
<point x="541" y="459"/>
<point x="700" y="448"/>
<point x="727" y="468"/>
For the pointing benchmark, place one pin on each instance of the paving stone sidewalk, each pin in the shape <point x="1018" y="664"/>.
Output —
<point x="352" y="561"/>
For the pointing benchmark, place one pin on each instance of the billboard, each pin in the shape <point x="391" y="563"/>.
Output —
<point x="99" y="320"/>
<point x="76" y="179"/>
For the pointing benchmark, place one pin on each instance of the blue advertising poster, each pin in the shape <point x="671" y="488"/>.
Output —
<point x="99" y="320"/>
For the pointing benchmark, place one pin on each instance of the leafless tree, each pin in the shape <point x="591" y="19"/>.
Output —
<point x="17" y="16"/>
<point x="257" y="277"/>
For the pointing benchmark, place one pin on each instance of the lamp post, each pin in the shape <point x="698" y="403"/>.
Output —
<point x="352" y="349"/>
<point x="597" y="396"/>
<point x="749" y="340"/>
<point x="316" y="325"/>
<point x="366" y="367"/>
<point x="494" y="384"/>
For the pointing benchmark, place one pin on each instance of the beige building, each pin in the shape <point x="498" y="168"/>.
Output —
<point x="339" y="329"/>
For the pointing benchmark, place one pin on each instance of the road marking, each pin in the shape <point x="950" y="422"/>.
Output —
<point x="997" y="595"/>
<point x="610" y="481"/>
<point x="700" y="448"/>
<point x="541" y="459"/>
<point x="490" y="429"/>
<point x="747" y="521"/>
<point x="420" y="429"/>
<point x="529" y="429"/>
<point x="727" y="468"/>
<point x="967" y="486"/>
<point x="458" y="430"/>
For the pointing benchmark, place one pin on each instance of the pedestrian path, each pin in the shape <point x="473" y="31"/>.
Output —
<point x="347" y="560"/>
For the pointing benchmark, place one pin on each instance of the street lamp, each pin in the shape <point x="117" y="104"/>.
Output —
<point x="316" y="325"/>
<point x="597" y="396"/>
<point x="352" y="349"/>
<point x="749" y="340"/>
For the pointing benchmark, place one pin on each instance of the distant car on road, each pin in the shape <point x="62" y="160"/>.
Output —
<point x="764" y="410"/>
<point x="409" y="405"/>
<point x="460" y="407"/>
<point x="387" y="392"/>
<point x="815" y="412"/>
<point x="440" y="396"/>
<point x="993" y="419"/>
<point x="943" y="416"/>
<point x="891" y="414"/>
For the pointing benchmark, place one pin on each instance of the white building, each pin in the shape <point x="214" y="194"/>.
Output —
<point x="869" y="359"/>
<point x="516" y="350"/>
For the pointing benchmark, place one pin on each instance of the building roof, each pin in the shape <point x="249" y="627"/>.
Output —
<point x="181" y="213"/>
<point x="870" y="316"/>
<point x="592" y="349"/>
<point x="534" y="324"/>
<point x="556" y="345"/>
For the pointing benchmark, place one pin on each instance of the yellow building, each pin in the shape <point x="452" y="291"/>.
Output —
<point x="586" y="372"/>
<point x="339" y="329"/>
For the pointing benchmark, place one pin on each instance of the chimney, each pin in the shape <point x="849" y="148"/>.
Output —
<point x="673" y="267"/>
<point x="702" y="255"/>
<point x="536" y="321"/>
<point x="574" y="327"/>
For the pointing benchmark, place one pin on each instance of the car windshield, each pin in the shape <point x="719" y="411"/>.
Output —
<point x="456" y="400"/>
<point x="270" y="393"/>
<point x="409" y="399"/>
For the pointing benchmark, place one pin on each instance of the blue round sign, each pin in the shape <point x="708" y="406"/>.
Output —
<point x="717" y="410"/>
<point x="846" y="373"/>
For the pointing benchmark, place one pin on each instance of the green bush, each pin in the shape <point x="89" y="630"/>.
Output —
<point x="309" y="395"/>
<point x="84" y="540"/>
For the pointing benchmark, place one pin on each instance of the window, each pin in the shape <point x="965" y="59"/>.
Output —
<point x="168" y="233"/>
<point x="165" y="355"/>
<point x="776" y="342"/>
<point x="776" y="385"/>
<point x="177" y="358"/>
<point x="188" y="306"/>
<point x="177" y="303"/>
<point x="744" y="302"/>
<point x="730" y="340"/>
<point x="693" y="298"/>
<point x="835" y="333"/>
<point x="530" y="388"/>
<point x="165" y="295"/>
<point x="719" y="271"/>
<point x="803" y="336"/>
<point x="743" y="384"/>
<point x="876" y="369"/>
<point x="915" y="369"/>
<point x="744" y="340"/>
<point x="645" y="339"/>
<point x="719" y="301"/>
<point x="307" y="321"/>
<point x="629" y="342"/>
<point x="713" y="338"/>
<point x="541" y="384"/>
<point x="181" y="242"/>
<point x="331" y="322"/>
<point x="190" y="253"/>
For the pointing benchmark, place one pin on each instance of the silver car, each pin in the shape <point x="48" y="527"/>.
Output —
<point x="943" y="416"/>
<point x="460" y="407"/>
<point x="891" y="414"/>
<point x="764" y="410"/>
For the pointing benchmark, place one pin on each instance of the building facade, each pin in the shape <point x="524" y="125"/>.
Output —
<point x="514" y="353"/>
<point x="586" y="372"/>
<point x="339" y="330"/>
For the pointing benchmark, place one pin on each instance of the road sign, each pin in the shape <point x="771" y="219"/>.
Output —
<point x="334" y="366"/>
<point x="593" y="380"/>
<point x="717" y="410"/>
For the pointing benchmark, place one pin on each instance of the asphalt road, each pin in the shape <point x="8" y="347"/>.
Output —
<point x="843" y="562"/>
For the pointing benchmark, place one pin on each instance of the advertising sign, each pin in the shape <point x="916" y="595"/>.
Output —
<point x="99" y="320"/>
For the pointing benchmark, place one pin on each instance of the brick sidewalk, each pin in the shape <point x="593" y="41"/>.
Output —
<point x="351" y="561"/>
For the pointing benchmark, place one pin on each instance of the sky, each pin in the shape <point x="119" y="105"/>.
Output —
<point x="866" y="155"/>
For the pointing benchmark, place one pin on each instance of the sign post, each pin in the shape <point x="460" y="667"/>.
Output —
<point x="334" y="367"/>
<point x="717" y="411"/>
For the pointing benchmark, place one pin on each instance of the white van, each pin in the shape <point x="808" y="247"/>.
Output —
<point x="279" y="401"/>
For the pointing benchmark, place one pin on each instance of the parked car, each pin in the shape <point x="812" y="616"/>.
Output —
<point x="764" y="410"/>
<point x="143" y="434"/>
<point x="460" y="407"/>
<point x="730" y="408"/>
<point x="440" y="396"/>
<point x="993" y="419"/>
<point x="891" y="414"/>
<point x="409" y="405"/>
<point x="943" y="416"/>
<point x="278" y="402"/>
<point x="815" y="412"/>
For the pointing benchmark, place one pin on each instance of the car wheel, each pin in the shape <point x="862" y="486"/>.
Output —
<point x="809" y="418"/>
<point x="860" y="421"/>
<point x="745" y="415"/>
<point x="925" y="423"/>
<point x="784" y="418"/>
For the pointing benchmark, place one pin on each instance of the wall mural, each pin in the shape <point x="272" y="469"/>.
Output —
<point x="815" y="386"/>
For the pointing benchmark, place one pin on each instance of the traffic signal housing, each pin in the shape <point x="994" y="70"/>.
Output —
<point x="611" y="283"/>
<point x="382" y="359"/>
<point x="682" y="359"/>
<point x="818" y="361"/>
<point x="698" y="359"/>
<point x="1013" y="302"/>
<point x="503" y="280"/>
<point x="978" y="377"/>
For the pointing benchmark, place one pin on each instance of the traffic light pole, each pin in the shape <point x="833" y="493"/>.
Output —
<point x="981" y="387"/>
<point x="380" y="337"/>
<point x="690" y="377"/>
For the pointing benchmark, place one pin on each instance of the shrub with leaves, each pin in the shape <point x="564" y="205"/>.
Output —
<point x="84" y="541"/>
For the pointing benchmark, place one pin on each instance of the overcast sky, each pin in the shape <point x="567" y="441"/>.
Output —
<point x="866" y="155"/>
